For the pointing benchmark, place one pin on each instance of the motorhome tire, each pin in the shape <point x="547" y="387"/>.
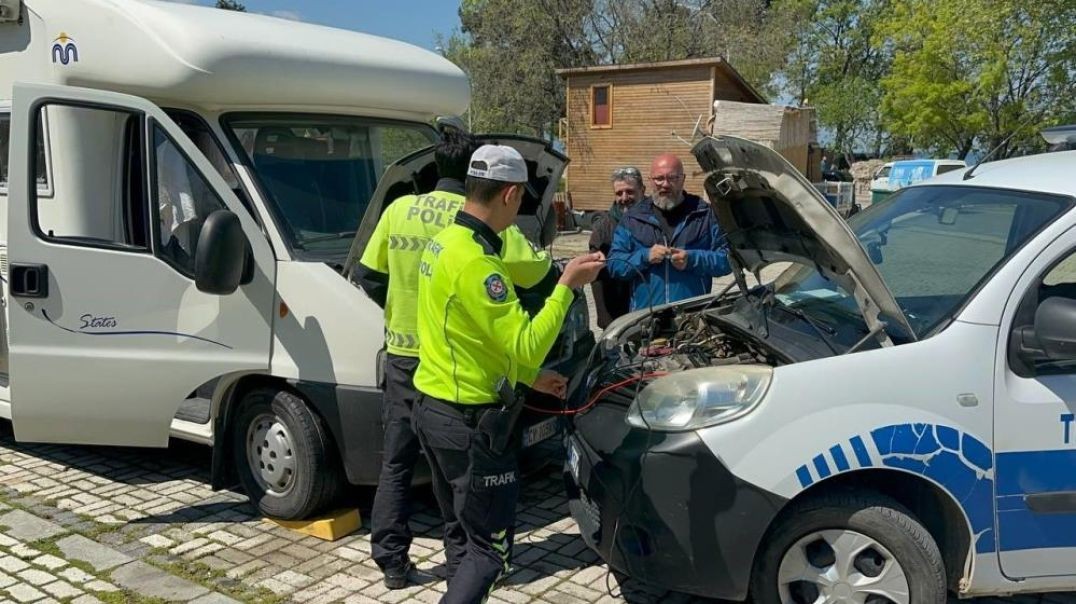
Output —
<point x="856" y="546"/>
<point x="284" y="455"/>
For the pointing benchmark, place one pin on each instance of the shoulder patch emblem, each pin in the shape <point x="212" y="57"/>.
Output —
<point x="496" y="289"/>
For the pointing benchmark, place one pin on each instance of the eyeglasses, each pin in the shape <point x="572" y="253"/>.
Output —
<point x="670" y="178"/>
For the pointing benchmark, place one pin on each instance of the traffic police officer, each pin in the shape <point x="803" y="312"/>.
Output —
<point x="389" y="273"/>
<point x="477" y="343"/>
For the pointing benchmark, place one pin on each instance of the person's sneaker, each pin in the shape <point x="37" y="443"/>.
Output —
<point x="397" y="578"/>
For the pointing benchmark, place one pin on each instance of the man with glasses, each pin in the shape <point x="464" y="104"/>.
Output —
<point x="611" y="296"/>
<point x="669" y="245"/>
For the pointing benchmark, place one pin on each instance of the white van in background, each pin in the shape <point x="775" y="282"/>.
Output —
<point x="179" y="189"/>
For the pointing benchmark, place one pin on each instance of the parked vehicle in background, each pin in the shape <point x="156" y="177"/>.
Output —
<point x="880" y="182"/>
<point x="908" y="172"/>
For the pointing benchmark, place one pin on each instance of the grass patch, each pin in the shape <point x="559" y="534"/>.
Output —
<point x="125" y="597"/>
<point x="217" y="580"/>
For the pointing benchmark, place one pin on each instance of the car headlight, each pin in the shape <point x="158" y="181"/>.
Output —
<point x="696" y="398"/>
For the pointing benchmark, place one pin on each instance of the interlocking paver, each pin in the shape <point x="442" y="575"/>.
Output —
<point x="100" y="557"/>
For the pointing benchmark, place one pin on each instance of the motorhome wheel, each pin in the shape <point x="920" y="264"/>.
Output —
<point x="284" y="455"/>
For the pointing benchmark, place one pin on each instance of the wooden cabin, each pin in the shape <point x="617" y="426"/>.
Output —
<point x="624" y="115"/>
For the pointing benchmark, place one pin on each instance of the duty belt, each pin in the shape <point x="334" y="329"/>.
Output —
<point x="469" y="413"/>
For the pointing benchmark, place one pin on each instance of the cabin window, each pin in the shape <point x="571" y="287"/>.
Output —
<point x="601" y="106"/>
<point x="41" y="170"/>
<point x="103" y="201"/>
<point x="184" y="201"/>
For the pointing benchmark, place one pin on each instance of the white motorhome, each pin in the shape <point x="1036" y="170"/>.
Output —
<point x="179" y="189"/>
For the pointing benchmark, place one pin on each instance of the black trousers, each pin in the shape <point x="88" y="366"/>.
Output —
<point x="390" y="534"/>
<point x="476" y="490"/>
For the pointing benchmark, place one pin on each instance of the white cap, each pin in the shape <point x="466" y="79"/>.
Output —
<point x="498" y="162"/>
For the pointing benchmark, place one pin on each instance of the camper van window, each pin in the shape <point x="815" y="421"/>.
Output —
<point x="943" y="168"/>
<point x="318" y="172"/>
<point x="103" y="202"/>
<point x="184" y="200"/>
<point x="5" y="134"/>
<point x="200" y="134"/>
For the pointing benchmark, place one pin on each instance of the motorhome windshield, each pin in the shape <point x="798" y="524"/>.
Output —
<point x="318" y="172"/>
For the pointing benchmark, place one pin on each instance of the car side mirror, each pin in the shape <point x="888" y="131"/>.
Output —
<point x="1055" y="328"/>
<point x="223" y="259"/>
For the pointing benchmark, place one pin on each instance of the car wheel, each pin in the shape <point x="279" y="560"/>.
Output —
<point x="284" y="455"/>
<point x="866" y="549"/>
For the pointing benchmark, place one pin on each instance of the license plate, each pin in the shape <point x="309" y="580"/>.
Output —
<point x="573" y="461"/>
<point x="540" y="431"/>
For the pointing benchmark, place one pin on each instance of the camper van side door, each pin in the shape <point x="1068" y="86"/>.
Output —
<point x="109" y="332"/>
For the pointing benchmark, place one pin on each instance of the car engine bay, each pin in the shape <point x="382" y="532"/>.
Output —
<point x="673" y="340"/>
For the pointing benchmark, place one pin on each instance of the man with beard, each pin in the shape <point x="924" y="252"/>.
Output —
<point x="669" y="245"/>
<point x="611" y="295"/>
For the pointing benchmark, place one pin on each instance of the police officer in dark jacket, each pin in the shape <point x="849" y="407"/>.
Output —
<point x="612" y="296"/>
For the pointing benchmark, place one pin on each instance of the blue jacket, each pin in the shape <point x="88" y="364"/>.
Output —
<point x="697" y="233"/>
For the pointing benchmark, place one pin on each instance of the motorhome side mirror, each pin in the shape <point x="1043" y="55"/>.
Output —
<point x="1055" y="328"/>
<point x="220" y="260"/>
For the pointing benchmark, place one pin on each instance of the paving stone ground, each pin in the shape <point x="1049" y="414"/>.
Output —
<point x="95" y="525"/>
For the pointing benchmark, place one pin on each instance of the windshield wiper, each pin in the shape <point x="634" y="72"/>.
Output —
<point x="820" y="328"/>
<point x="328" y="237"/>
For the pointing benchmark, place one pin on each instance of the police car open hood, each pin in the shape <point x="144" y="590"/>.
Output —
<point x="771" y="213"/>
<point x="416" y="173"/>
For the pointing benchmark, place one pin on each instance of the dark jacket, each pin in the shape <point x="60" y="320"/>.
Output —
<point x="697" y="232"/>
<point x="611" y="295"/>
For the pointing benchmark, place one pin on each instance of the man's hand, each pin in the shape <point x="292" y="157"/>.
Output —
<point x="582" y="269"/>
<point x="552" y="383"/>
<point x="658" y="253"/>
<point x="679" y="259"/>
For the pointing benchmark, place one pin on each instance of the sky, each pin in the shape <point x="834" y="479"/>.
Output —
<point x="414" y="21"/>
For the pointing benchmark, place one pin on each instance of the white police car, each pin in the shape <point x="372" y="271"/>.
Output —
<point x="890" y="419"/>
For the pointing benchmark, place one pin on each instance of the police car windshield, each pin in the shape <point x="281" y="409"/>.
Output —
<point x="934" y="246"/>
<point x="319" y="172"/>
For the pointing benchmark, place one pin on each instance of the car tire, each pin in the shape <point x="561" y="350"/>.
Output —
<point x="284" y="455"/>
<point x="850" y="536"/>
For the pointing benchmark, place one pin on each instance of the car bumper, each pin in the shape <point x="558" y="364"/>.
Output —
<point x="661" y="507"/>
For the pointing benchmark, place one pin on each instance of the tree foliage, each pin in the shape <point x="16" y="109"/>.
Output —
<point x="969" y="72"/>
<point x="835" y="67"/>
<point x="231" y="5"/>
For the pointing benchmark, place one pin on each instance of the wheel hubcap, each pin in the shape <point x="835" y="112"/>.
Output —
<point x="841" y="566"/>
<point x="270" y="454"/>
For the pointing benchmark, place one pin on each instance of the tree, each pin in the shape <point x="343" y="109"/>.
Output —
<point x="835" y="67"/>
<point x="231" y="5"/>
<point x="511" y="49"/>
<point x="970" y="73"/>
